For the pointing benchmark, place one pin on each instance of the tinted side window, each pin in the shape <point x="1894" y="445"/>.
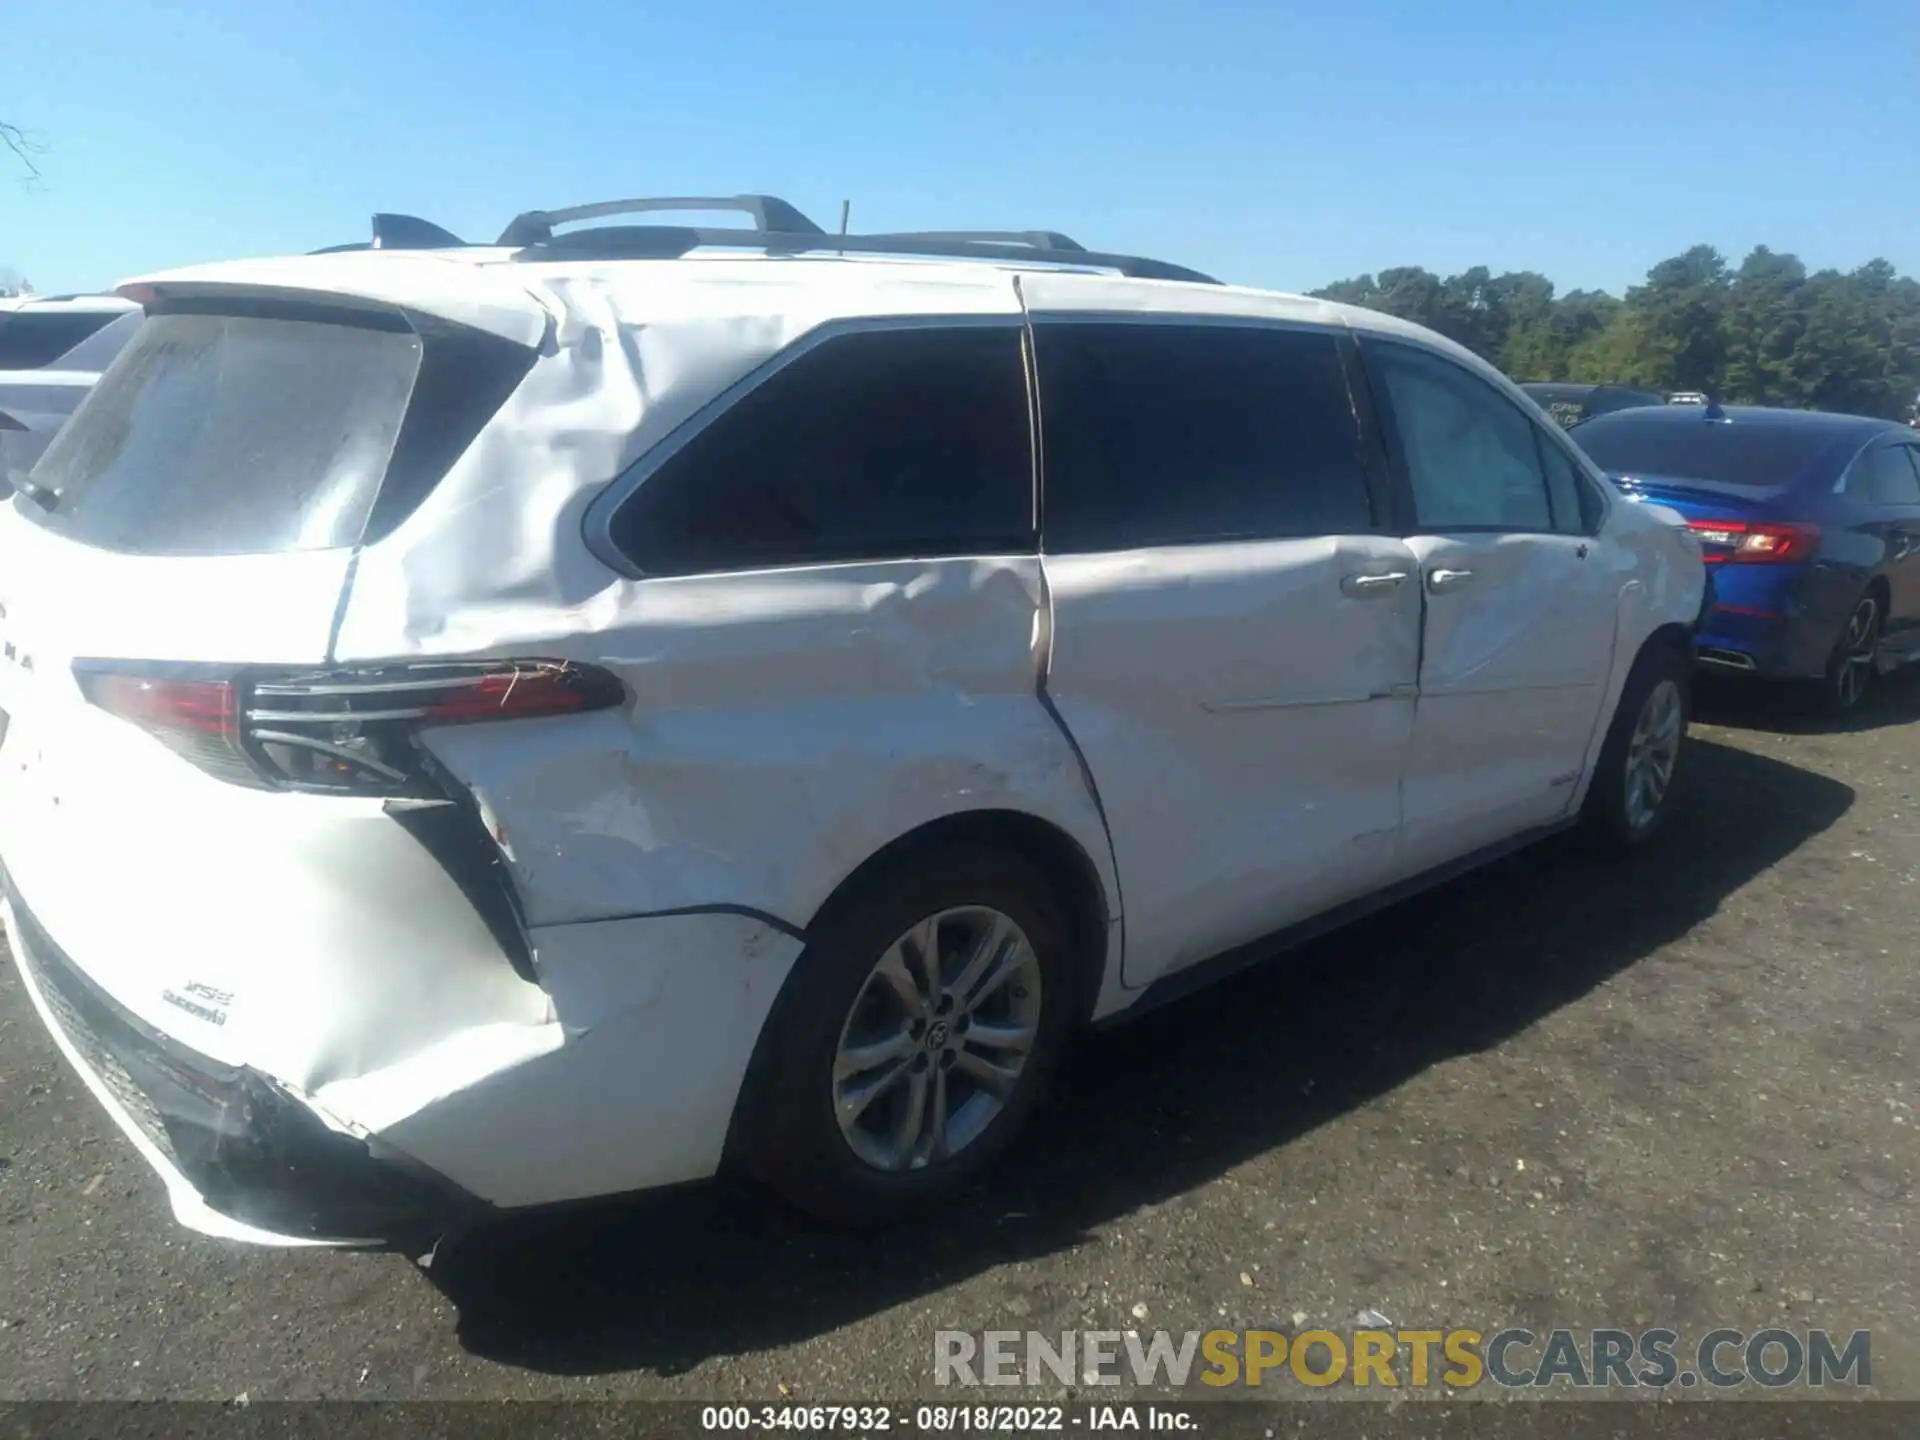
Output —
<point x="1469" y="452"/>
<point x="1178" y="434"/>
<point x="877" y="444"/>
<point x="1885" y="477"/>
<point x="30" y="340"/>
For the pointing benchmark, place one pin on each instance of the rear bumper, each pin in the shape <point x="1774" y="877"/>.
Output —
<point x="1765" y="620"/>
<point x="241" y="1157"/>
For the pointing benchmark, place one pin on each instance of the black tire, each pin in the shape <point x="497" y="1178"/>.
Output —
<point x="1851" y="671"/>
<point x="794" y="1141"/>
<point x="1611" y="817"/>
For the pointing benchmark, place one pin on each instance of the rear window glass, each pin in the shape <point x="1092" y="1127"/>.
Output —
<point x="1750" y="457"/>
<point x="228" y="435"/>
<point x="30" y="340"/>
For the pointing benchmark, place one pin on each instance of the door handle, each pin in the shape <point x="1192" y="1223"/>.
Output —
<point x="1363" y="587"/>
<point x="1445" y="582"/>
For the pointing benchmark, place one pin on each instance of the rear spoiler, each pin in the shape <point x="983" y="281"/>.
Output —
<point x="481" y="297"/>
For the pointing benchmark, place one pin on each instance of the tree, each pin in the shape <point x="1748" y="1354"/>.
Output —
<point x="1681" y="322"/>
<point x="1766" y="333"/>
<point x="23" y="146"/>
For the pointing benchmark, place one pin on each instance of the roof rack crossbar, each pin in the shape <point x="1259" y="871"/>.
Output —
<point x="649" y="242"/>
<point x="770" y="214"/>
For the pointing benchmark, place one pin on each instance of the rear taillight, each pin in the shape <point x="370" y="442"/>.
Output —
<point x="197" y="719"/>
<point x="349" y="731"/>
<point x="1754" y="542"/>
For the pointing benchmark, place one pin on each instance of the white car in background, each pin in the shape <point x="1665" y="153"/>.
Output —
<point x="51" y="352"/>
<point x="514" y="723"/>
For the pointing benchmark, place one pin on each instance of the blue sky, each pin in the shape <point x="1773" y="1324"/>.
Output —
<point x="1275" y="144"/>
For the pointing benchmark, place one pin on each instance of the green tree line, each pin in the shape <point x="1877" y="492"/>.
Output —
<point x="1768" y="333"/>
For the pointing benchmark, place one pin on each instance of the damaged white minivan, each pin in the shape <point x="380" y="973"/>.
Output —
<point x="495" y="725"/>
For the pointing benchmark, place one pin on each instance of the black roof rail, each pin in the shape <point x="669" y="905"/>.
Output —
<point x="1038" y="239"/>
<point x="770" y="214"/>
<point x="392" y="231"/>
<point x="669" y="242"/>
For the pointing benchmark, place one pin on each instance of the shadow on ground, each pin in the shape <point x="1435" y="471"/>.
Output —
<point x="1150" y="1111"/>
<point x="1790" y="709"/>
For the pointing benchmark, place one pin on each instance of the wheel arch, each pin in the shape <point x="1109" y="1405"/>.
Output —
<point x="1064" y="863"/>
<point x="1680" y="637"/>
<point x="1067" y="867"/>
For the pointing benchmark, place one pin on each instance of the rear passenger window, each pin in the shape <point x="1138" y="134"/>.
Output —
<point x="872" y="445"/>
<point x="1469" y="452"/>
<point x="1176" y="434"/>
<point x="1886" y="477"/>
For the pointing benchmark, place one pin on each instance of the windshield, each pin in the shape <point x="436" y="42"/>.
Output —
<point x="1749" y="457"/>
<point x="226" y="435"/>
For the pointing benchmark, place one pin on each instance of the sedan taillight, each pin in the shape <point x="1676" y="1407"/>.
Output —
<point x="1754" y="542"/>
<point x="342" y="731"/>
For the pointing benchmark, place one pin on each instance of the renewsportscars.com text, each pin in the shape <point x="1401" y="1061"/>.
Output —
<point x="1459" y="1359"/>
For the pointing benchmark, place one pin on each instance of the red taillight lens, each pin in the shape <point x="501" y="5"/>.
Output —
<point x="337" y="731"/>
<point x="197" y="719"/>
<point x="518" y="695"/>
<point x="203" y="707"/>
<point x="1754" y="542"/>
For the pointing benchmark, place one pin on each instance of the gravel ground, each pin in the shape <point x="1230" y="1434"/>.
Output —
<point x="1678" y="1091"/>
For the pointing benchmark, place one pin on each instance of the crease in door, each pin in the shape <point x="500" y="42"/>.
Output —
<point x="1310" y="702"/>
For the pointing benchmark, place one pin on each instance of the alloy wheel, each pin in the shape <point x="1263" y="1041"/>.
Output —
<point x="1652" y="753"/>
<point x="937" y="1039"/>
<point x="1854" y="660"/>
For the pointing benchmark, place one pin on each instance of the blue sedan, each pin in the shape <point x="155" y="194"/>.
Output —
<point x="1810" y="524"/>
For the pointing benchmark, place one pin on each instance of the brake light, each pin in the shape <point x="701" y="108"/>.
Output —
<point x="350" y="731"/>
<point x="196" y="719"/>
<point x="1754" y="542"/>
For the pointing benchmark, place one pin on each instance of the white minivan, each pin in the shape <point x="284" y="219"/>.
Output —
<point x="504" y="724"/>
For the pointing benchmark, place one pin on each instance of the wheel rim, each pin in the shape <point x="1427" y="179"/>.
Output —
<point x="1652" y="753"/>
<point x="1855" y="661"/>
<point x="938" y="1039"/>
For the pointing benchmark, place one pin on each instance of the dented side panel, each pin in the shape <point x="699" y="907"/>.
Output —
<point x="494" y="559"/>
<point x="659" y="1018"/>
<point x="782" y="728"/>
<point x="783" y="725"/>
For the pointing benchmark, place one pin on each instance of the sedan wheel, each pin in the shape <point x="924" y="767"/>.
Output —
<point x="938" y="1039"/>
<point x="1851" y="672"/>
